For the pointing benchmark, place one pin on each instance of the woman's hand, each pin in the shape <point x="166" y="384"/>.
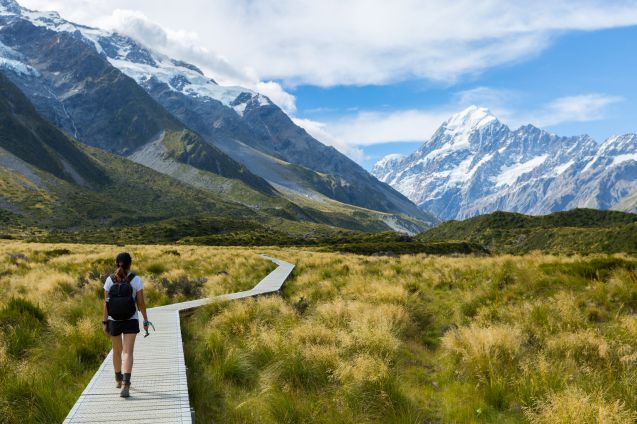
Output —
<point x="105" y="329"/>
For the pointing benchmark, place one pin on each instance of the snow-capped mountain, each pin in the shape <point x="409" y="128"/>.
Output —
<point x="112" y="92"/>
<point x="250" y="128"/>
<point x="474" y="164"/>
<point x="131" y="58"/>
<point x="75" y="88"/>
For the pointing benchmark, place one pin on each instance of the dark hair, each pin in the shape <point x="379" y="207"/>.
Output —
<point x="123" y="262"/>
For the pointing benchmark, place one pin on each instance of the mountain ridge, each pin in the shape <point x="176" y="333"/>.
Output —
<point x="77" y="90"/>
<point x="474" y="164"/>
<point x="52" y="184"/>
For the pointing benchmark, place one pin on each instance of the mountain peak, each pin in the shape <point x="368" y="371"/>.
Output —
<point x="472" y="118"/>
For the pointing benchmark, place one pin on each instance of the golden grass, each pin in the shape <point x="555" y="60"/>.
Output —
<point x="353" y="339"/>
<point x="576" y="406"/>
<point x="65" y="282"/>
<point x="416" y="338"/>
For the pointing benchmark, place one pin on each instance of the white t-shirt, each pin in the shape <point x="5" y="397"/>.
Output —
<point x="136" y="285"/>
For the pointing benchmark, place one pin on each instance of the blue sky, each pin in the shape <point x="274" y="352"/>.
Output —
<point x="372" y="77"/>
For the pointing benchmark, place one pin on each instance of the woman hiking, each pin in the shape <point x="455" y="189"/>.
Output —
<point x="124" y="296"/>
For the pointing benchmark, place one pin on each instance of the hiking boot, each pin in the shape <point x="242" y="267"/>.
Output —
<point x="124" y="393"/>
<point x="118" y="382"/>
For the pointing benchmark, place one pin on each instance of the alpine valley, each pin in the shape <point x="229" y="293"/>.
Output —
<point x="474" y="164"/>
<point x="108" y="109"/>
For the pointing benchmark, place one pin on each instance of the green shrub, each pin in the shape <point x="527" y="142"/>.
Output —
<point x="156" y="268"/>
<point x="595" y="268"/>
<point x="21" y="323"/>
<point x="54" y="253"/>
<point x="187" y="288"/>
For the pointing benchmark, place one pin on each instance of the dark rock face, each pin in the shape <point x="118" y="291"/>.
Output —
<point x="32" y="139"/>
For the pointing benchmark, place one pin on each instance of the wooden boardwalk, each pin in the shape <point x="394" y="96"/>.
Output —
<point x="159" y="389"/>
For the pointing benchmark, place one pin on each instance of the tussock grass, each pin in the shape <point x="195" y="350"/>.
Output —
<point x="352" y="339"/>
<point x="414" y="339"/>
<point x="51" y="341"/>
<point x="574" y="405"/>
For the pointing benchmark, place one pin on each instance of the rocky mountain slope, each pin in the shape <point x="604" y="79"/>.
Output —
<point x="80" y="92"/>
<point x="628" y="203"/>
<point x="109" y="91"/>
<point x="474" y="164"/>
<point x="49" y="180"/>
<point x="52" y="184"/>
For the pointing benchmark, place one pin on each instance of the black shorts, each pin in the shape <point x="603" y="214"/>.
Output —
<point x="129" y="326"/>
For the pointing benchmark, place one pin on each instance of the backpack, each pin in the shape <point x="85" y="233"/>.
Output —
<point x="120" y="303"/>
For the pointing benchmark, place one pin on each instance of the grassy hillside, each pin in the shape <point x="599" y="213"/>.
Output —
<point x="352" y="339"/>
<point x="131" y="194"/>
<point x="575" y="231"/>
<point x="48" y="180"/>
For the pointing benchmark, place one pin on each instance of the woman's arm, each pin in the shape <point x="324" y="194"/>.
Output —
<point x="105" y="314"/>
<point x="141" y="304"/>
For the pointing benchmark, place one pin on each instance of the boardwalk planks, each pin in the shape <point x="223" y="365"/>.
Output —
<point x="159" y="390"/>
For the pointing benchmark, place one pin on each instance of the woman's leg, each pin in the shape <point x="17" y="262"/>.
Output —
<point x="129" y="345"/>
<point x="117" y="353"/>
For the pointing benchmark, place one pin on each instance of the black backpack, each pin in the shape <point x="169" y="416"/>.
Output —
<point x="120" y="303"/>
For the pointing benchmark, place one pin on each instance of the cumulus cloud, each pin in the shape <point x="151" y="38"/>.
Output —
<point x="332" y="42"/>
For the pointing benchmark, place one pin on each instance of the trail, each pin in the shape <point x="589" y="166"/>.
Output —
<point x="159" y="390"/>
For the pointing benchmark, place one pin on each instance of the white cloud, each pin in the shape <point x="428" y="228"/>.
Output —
<point x="488" y="97"/>
<point x="366" y="128"/>
<point x="277" y="94"/>
<point x="332" y="42"/>
<point x="184" y="45"/>
<point x="581" y="108"/>
<point x="318" y="131"/>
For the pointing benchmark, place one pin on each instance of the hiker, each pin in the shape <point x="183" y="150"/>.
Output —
<point x="123" y="291"/>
